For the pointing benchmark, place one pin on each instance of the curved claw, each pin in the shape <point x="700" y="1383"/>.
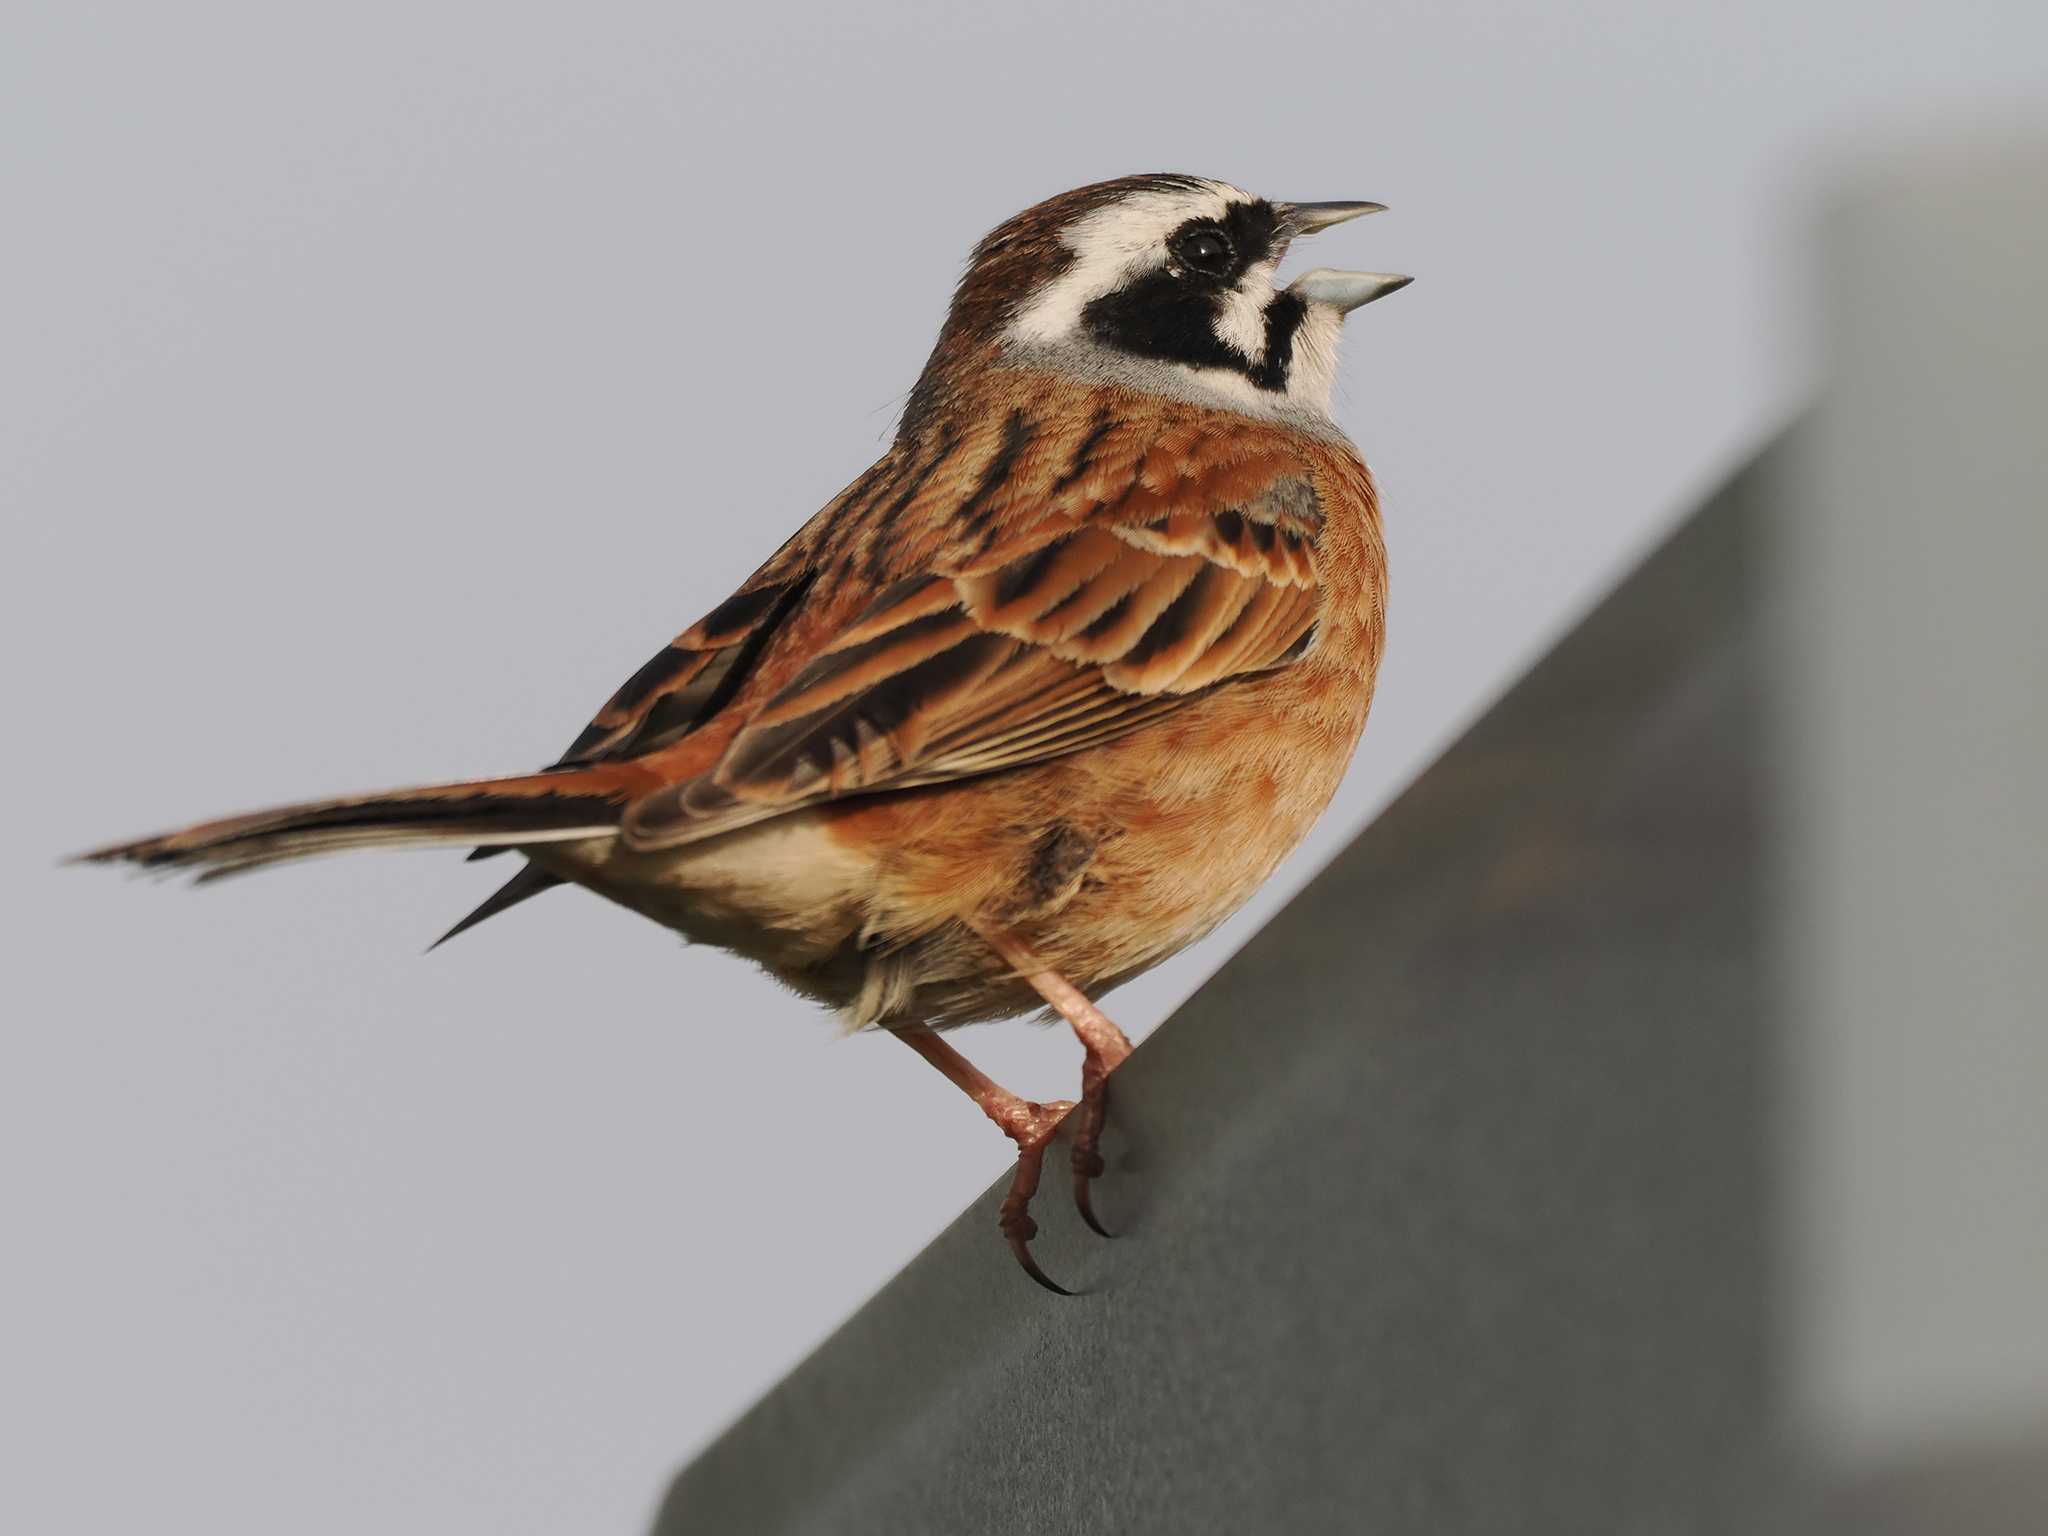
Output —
<point x="1021" y="1247"/>
<point x="1015" y="1217"/>
<point x="1088" y="1166"/>
<point x="1087" y="1160"/>
<point x="1084" y="1203"/>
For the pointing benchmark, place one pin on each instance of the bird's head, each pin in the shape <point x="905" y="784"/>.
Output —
<point x="1163" y="283"/>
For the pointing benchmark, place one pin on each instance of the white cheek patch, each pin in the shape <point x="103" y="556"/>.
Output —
<point x="1112" y="246"/>
<point x="1241" y="323"/>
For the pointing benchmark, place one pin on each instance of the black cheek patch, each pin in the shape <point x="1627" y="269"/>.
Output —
<point x="1166" y="317"/>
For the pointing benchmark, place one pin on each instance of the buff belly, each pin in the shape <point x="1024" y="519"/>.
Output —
<point x="783" y="893"/>
<point x="1106" y="863"/>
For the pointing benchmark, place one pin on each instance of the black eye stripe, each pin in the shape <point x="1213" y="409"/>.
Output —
<point x="1254" y="229"/>
<point x="1251" y="231"/>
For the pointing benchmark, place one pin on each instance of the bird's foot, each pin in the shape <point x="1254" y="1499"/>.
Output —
<point x="1032" y="1127"/>
<point x="1092" y="1111"/>
<point x="1106" y="1045"/>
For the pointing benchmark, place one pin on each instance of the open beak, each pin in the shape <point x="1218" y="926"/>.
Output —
<point x="1342" y="291"/>
<point x="1345" y="291"/>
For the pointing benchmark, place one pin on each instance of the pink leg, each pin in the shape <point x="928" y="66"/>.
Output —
<point x="1105" y="1045"/>
<point x="1030" y="1125"/>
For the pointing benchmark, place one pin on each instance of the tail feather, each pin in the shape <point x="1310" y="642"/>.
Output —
<point x="530" y="881"/>
<point x="536" y="808"/>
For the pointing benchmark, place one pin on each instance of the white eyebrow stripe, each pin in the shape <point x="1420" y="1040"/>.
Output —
<point x="1112" y="246"/>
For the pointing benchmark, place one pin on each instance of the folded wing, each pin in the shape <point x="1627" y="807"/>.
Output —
<point x="1087" y="593"/>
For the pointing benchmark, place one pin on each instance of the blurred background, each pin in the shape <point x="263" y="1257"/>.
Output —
<point x="382" y="384"/>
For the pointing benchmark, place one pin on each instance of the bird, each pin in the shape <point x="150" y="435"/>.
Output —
<point x="1037" y="701"/>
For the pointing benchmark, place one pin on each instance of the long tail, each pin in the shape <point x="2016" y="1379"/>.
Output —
<point x="536" y="808"/>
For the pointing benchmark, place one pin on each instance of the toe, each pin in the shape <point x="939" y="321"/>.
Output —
<point x="1021" y="1247"/>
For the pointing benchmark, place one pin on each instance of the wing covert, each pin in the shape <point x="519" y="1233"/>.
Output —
<point x="1037" y="637"/>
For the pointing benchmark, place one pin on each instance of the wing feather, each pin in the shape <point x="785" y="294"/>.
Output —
<point x="1066" y="618"/>
<point x="688" y="680"/>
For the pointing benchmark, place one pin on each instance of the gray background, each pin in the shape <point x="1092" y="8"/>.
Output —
<point x="381" y="385"/>
<point x="1912" y="792"/>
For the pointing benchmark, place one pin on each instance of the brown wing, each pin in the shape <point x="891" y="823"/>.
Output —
<point x="690" y="678"/>
<point x="1024" y="598"/>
